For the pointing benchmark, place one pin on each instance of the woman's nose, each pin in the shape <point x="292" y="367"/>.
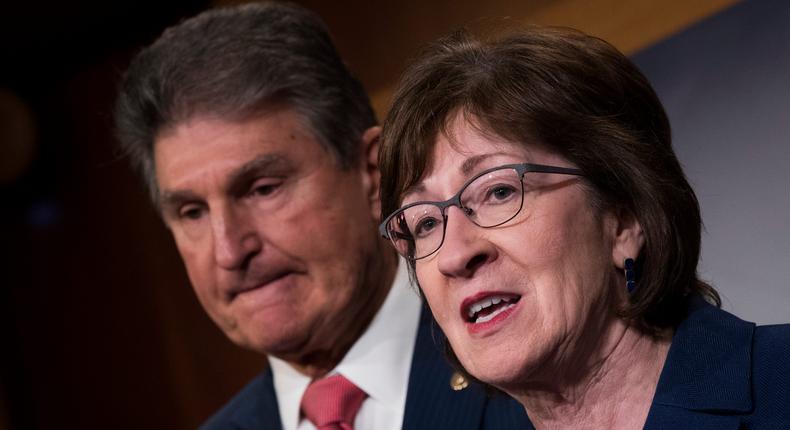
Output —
<point x="465" y="249"/>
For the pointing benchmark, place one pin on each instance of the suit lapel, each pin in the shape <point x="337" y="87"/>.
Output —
<point x="260" y="411"/>
<point x="430" y="401"/>
<point x="668" y="417"/>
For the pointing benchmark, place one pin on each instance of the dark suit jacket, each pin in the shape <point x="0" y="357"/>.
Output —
<point x="723" y="373"/>
<point x="430" y="402"/>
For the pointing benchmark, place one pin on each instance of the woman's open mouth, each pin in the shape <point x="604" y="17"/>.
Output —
<point x="483" y="308"/>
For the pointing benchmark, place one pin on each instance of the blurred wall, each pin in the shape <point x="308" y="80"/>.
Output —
<point x="377" y="39"/>
<point x="725" y="83"/>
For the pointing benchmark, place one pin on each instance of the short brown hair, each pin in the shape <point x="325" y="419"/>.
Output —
<point x="584" y="100"/>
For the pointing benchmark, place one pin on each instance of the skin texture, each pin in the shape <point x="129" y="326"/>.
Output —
<point x="561" y="350"/>
<point x="279" y="243"/>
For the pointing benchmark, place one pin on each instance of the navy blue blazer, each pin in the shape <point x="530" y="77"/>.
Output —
<point x="430" y="402"/>
<point x="723" y="373"/>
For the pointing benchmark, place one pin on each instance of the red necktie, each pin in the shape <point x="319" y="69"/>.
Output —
<point x="332" y="403"/>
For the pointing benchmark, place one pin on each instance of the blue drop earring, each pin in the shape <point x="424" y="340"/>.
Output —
<point x="630" y="277"/>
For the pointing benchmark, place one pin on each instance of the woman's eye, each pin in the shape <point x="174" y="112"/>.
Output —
<point x="425" y="226"/>
<point x="501" y="192"/>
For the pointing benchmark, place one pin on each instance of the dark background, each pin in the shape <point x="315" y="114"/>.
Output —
<point x="100" y="326"/>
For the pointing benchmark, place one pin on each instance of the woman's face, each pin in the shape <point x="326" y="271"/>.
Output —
<point x="546" y="276"/>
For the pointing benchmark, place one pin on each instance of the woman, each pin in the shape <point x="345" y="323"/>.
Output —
<point x="531" y="184"/>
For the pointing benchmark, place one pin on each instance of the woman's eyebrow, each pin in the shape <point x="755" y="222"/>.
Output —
<point x="414" y="189"/>
<point x="469" y="166"/>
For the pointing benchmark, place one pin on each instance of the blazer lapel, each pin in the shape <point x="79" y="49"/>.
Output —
<point x="667" y="417"/>
<point x="706" y="382"/>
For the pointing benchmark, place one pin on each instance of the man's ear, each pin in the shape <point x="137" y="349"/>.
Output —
<point x="371" y="175"/>
<point x="628" y="238"/>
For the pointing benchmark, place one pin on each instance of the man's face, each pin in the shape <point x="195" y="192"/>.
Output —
<point x="279" y="243"/>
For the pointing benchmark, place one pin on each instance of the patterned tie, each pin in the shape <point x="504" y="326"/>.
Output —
<point x="332" y="403"/>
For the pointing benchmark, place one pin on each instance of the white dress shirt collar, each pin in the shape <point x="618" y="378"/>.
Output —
<point x="379" y="363"/>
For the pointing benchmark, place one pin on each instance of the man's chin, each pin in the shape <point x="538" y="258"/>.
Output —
<point x="281" y="342"/>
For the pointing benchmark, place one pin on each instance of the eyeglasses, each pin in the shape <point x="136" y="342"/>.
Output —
<point x="490" y="199"/>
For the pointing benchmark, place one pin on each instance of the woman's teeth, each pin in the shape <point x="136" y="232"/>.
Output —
<point x="489" y="307"/>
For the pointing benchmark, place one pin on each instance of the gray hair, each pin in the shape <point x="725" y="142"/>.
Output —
<point x="235" y="62"/>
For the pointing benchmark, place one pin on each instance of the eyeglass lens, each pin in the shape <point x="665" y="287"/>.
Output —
<point x="488" y="201"/>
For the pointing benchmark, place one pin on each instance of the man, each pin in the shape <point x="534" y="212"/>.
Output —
<point x="260" y="150"/>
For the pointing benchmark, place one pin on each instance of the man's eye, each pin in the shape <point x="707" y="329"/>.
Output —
<point x="265" y="189"/>
<point x="191" y="213"/>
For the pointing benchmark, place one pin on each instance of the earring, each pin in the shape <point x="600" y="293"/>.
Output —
<point x="630" y="277"/>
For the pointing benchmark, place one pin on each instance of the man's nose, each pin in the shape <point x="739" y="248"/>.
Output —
<point x="465" y="249"/>
<point x="236" y="240"/>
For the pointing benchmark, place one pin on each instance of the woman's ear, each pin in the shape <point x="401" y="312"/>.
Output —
<point x="371" y="175"/>
<point x="628" y="238"/>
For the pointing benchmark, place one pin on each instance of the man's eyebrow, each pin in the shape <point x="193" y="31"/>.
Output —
<point x="170" y="200"/>
<point x="265" y="164"/>
<point x="262" y="164"/>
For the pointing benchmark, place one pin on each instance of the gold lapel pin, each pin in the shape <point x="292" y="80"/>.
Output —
<point x="458" y="382"/>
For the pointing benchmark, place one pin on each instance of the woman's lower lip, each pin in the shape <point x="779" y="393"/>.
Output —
<point x="495" y="322"/>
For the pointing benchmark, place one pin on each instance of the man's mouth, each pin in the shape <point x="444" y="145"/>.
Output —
<point x="261" y="283"/>
<point x="479" y="310"/>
